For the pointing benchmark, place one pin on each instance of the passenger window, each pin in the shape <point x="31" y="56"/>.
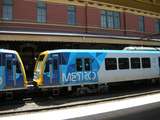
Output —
<point x="47" y="67"/>
<point x="79" y="64"/>
<point x="18" y="67"/>
<point x="123" y="63"/>
<point x="87" y="65"/>
<point x="146" y="63"/>
<point x="135" y="63"/>
<point x="8" y="59"/>
<point x="41" y="57"/>
<point x="3" y="59"/>
<point x="55" y="64"/>
<point x="111" y="63"/>
<point x="9" y="64"/>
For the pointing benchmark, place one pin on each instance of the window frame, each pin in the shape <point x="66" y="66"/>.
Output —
<point x="117" y="20"/>
<point x="133" y="66"/>
<point x="41" y="12"/>
<point x="46" y="69"/>
<point x="71" y="14"/>
<point x="41" y="58"/>
<point x="55" y="64"/>
<point x="124" y="67"/>
<point x="18" y="67"/>
<point x="7" y="10"/>
<point x="88" y="65"/>
<point x="80" y="65"/>
<point x="103" y="19"/>
<point x="8" y="61"/>
<point x="110" y="19"/>
<point x="157" y="25"/>
<point x="83" y="64"/>
<point x="141" y="23"/>
<point x="144" y="63"/>
<point x="111" y="68"/>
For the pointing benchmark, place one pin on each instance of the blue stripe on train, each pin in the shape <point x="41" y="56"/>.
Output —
<point x="71" y="76"/>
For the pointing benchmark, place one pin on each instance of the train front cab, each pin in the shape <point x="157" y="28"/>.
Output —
<point x="12" y="73"/>
<point x="46" y="71"/>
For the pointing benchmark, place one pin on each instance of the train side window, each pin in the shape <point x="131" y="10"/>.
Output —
<point x="46" y="67"/>
<point x="135" y="63"/>
<point x="3" y="59"/>
<point x="146" y="63"/>
<point x="55" y="64"/>
<point x="9" y="64"/>
<point x="111" y="63"/>
<point x="79" y="64"/>
<point x="18" y="67"/>
<point x="123" y="63"/>
<point x="41" y="57"/>
<point x="87" y="64"/>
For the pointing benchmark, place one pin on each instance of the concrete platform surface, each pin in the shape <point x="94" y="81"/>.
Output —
<point x="104" y="110"/>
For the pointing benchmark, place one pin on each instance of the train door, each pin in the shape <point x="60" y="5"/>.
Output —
<point x="51" y="72"/>
<point x="9" y="71"/>
<point x="54" y="69"/>
<point x="17" y="73"/>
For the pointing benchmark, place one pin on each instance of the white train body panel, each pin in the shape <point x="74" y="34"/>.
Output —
<point x="129" y="74"/>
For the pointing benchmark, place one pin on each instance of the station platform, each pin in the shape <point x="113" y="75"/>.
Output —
<point x="144" y="107"/>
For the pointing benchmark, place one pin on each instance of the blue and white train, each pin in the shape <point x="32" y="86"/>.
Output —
<point x="12" y="73"/>
<point x="70" y="68"/>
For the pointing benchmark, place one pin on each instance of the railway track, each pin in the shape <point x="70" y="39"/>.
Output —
<point x="36" y="104"/>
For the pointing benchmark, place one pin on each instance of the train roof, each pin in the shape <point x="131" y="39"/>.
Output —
<point x="7" y="51"/>
<point x="142" y="48"/>
<point x="98" y="51"/>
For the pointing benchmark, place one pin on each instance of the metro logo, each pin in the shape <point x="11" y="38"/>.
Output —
<point x="79" y="76"/>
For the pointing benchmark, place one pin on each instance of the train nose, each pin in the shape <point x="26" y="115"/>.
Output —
<point x="34" y="83"/>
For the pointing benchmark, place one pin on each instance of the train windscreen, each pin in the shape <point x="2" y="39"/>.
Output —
<point x="39" y="63"/>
